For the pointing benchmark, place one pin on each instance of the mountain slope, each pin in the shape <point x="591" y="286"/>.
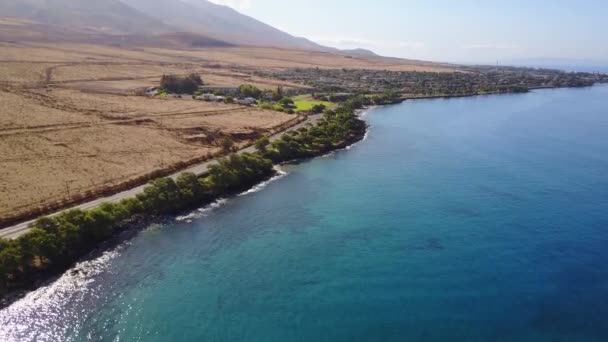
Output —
<point x="209" y="23"/>
<point x="111" y="16"/>
<point x="360" y="52"/>
<point x="220" y="22"/>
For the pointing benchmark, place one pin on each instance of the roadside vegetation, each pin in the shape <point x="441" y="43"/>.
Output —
<point x="55" y="243"/>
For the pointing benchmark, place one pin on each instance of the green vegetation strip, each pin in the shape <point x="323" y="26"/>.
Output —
<point x="55" y="243"/>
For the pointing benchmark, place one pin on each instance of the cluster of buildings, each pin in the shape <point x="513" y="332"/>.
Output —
<point x="209" y="95"/>
<point x="471" y="80"/>
<point x="248" y="101"/>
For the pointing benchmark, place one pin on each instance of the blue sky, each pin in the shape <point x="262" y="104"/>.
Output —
<point x="464" y="31"/>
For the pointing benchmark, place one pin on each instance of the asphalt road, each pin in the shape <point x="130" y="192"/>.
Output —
<point x="17" y="230"/>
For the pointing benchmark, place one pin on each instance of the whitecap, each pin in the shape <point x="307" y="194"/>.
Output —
<point x="280" y="174"/>
<point x="201" y="212"/>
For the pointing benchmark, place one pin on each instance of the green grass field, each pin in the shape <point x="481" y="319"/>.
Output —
<point x="306" y="102"/>
<point x="303" y="103"/>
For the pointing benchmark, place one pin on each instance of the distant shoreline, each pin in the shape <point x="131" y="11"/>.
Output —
<point x="447" y="96"/>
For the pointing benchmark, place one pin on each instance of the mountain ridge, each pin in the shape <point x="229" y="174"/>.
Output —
<point x="109" y="16"/>
<point x="133" y="20"/>
<point x="220" y="22"/>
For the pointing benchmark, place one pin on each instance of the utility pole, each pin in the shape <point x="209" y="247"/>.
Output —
<point x="67" y="187"/>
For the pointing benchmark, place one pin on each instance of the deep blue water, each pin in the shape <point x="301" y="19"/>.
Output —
<point x="472" y="219"/>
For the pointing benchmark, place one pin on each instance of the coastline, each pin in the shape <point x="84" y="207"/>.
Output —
<point x="139" y="222"/>
<point x="18" y="223"/>
<point x="124" y="230"/>
<point x="432" y="97"/>
<point x="529" y="90"/>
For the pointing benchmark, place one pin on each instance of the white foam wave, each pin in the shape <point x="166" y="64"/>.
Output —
<point x="280" y="174"/>
<point x="360" y="141"/>
<point x="201" y="212"/>
<point x="362" y="113"/>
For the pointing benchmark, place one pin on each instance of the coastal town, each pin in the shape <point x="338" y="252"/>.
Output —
<point x="467" y="81"/>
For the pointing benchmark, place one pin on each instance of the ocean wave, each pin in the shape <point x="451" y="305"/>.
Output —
<point x="360" y="141"/>
<point x="280" y="174"/>
<point x="201" y="212"/>
<point x="41" y="314"/>
<point x="362" y="113"/>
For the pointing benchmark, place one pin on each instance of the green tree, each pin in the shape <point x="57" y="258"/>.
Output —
<point x="248" y="90"/>
<point x="261" y="145"/>
<point x="132" y="205"/>
<point x="190" y="188"/>
<point x="98" y="225"/>
<point x="181" y="85"/>
<point x="11" y="264"/>
<point x="278" y="94"/>
<point x="162" y="196"/>
<point x="318" y="108"/>
<point x="40" y="245"/>
<point x="227" y="144"/>
<point x="286" y="102"/>
<point x="47" y="224"/>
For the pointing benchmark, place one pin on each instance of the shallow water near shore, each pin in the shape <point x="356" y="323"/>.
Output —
<point x="465" y="219"/>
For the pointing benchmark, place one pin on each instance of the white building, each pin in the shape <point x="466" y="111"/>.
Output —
<point x="247" y="101"/>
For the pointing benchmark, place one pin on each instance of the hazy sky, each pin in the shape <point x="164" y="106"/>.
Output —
<point x="469" y="31"/>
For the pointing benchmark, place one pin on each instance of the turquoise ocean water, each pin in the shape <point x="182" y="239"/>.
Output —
<point x="471" y="219"/>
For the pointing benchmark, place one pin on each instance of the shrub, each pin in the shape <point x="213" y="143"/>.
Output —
<point x="248" y="90"/>
<point x="286" y="102"/>
<point x="318" y="108"/>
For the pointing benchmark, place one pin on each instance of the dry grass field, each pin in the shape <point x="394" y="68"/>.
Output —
<point x="71" y="122"/>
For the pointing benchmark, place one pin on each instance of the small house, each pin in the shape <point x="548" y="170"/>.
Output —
<point x="206" y="97"/>
<point x="246" y="101"/>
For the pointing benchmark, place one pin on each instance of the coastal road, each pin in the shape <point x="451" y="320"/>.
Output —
<point x="17" y="230"/>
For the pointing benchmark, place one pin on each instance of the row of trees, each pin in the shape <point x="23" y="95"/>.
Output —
<point x="336" y="129"/>
<point x="55" y="242"/>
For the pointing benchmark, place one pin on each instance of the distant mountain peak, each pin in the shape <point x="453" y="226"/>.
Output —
<point x="208" y="23"/>
<point x="220" y="22"/>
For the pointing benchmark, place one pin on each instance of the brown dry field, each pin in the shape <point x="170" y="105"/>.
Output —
<point x="71" y="122"/>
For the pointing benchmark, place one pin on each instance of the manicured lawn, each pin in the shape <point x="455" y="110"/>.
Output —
<point x="306" y="102"/>
<point x="303" y="103"/>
